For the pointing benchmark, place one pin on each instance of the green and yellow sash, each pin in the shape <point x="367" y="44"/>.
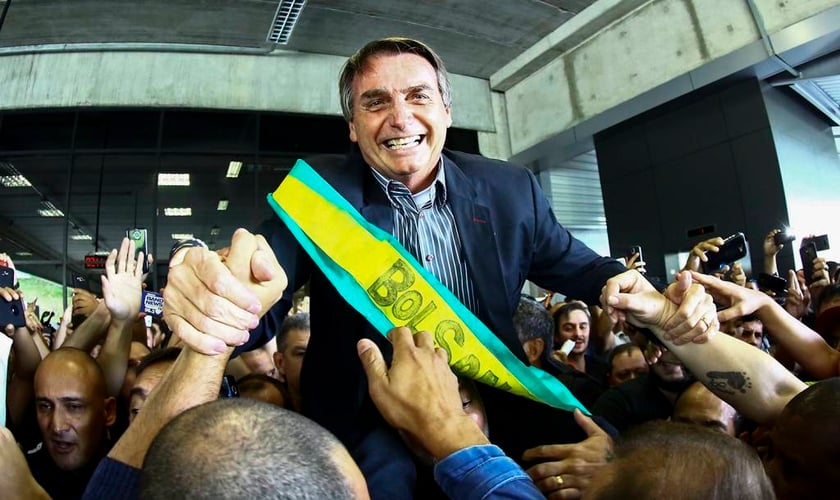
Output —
<point x="384" y="283"/>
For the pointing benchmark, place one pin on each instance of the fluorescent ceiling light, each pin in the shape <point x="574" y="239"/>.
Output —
<point x="173" y="179"/>
<point x="233" y="169"/>
<point x="182" y="236"/>
<point x="81" y="237"/>
<point x="49" y="210"/>
<point x="223" y="204"/>
<point x="177" y="211"/>
<point x="24" y="254"/>
<point x="14" y="181"/>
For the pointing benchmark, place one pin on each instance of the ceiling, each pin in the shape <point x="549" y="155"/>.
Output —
<point x="108" y="159"/>
<point x="474" y="37"/>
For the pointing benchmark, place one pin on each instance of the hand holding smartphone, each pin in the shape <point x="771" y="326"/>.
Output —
<point x="734" y="248"/>
<point x="140" y="238"/>
<point x="808" y="252"/>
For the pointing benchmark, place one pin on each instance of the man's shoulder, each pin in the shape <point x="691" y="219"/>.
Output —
<point x="473" y="163"/>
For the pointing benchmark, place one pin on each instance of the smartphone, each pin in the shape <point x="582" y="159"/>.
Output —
<point x="635" y="250"/>
<point x="808" y="252"/>
<point x="734" y="248"/>
<point x="821" y="242"/>
<point x="567" y="346"/>
<point x="775" y="284"/>
<point x="140" y="238"/>
<point x="7" y="277"/>
<point x="12" y="313"/>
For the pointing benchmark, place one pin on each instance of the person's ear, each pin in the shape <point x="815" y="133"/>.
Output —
<point x="353" y="136"/>
<point x="281" y="368"/>
<point x="533" y="349"/>
<point x="110" y="411"/>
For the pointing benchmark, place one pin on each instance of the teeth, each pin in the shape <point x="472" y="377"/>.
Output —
<point x="402" y="142"/>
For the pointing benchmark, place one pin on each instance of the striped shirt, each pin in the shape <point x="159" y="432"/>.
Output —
<point x="425" y="226"/>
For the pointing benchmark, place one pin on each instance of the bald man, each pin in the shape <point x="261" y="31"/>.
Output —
<point x="74" y="413"/>
<point x="700" y="406"/>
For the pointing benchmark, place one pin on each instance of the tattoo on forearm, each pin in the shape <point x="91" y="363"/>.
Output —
<point x="729" y="382"/>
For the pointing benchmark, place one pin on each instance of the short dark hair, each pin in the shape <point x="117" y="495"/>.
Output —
<point x="256" y="381"/>
<point x="699" y="463"/>
<point x="242" y="448"/>
<point x="157" y="356"/>
<point x="299" y="321"/>
<point x="567" y="309"/>
<point x="618" y="351"/>
<point x="828" y="293"/>
<point x="392" y="45"/>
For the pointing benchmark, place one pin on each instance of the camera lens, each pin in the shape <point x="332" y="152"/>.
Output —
<point x="15" y="310"/>
<point x="782" y="238"/>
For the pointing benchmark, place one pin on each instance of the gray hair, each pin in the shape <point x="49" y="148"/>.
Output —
<point x="393" y="45"/>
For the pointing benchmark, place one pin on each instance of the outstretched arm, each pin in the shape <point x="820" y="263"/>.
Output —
<point x="121" y="288"/>
<point x="804" y="345"/>
<point x="745" y="377"/>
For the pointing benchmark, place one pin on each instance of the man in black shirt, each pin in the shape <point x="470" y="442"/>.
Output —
<point x="74" y="413"/>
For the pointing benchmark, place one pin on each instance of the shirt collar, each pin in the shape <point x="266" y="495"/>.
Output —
<point x="435" y="192"/>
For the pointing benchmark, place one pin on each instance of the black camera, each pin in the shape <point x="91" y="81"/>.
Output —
<point x="783" y="238"/>
<point x="820" y="242"/>
<point x="7" y="277"/>
<point x="12" y="313"/>
<point x="734" y="248"/>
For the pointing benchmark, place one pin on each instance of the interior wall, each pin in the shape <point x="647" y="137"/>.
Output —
<point x="706" y="159"/>
<point x="809" y="165"/>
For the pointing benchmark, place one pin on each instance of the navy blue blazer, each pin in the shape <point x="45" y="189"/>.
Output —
<point x="509" y="234"/>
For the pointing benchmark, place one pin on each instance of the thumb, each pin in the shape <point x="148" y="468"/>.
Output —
<point x="676" y="291"/>
<point x="587" y="424"/>
<point x="263" y="261"/>
<point x="372" y="361"/>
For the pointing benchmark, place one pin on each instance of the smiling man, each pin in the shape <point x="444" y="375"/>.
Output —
<point x="480" y="226"/>
<point x="74" y="413"/>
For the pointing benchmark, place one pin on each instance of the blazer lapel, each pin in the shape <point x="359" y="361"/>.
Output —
<point x="478" y="237"/>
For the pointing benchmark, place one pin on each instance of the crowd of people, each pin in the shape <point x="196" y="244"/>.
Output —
<point x="705" y="387"/>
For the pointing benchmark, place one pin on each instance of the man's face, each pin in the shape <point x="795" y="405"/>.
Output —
<point x="575" y="326"/>
<point x="399" y="119"/>
<point x="72" y="417"/>
<point x="627" y="367"/>
<point x="144" y="383"/>
<point x="750" y="332"/>
<point x="290" y="361"/>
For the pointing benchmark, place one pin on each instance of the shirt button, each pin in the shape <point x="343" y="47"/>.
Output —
<point x="430" y="258"/>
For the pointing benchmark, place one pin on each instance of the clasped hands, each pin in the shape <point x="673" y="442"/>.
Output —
<point x="683" y="313"/>
<point x="213" y="299"/>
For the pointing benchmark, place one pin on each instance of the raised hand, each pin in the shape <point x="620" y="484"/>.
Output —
<point x="122" y="282"/>
<point x="419" y="394"/>
<point x="698" y="253"/>
<point x="798" y="296"/>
